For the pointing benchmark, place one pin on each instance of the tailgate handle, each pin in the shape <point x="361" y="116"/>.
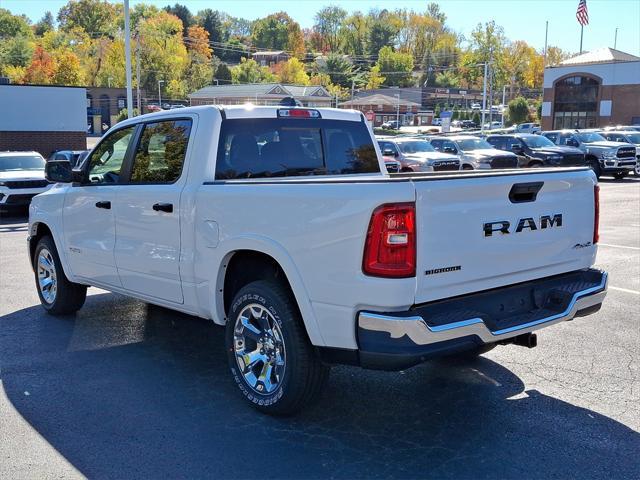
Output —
<point x="524" y="192"/>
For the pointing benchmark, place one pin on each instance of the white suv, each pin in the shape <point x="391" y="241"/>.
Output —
<point x="21" y="178"/>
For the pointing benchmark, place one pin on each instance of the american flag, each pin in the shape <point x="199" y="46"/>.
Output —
<point x="582" y="14"/>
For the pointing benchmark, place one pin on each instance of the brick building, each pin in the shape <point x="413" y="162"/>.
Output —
<point x="595" y="89"/>
<point x="261" y="94"/>
<point x="43" y="118"/>
<point x="389" y="107"/>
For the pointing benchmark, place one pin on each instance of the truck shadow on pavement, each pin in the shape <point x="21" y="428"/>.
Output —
<point x="125" y="390"/>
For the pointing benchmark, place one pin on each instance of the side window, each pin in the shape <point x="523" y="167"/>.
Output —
<point x="497" y="142"/>
<point x="437" y="144"/>
<point x="161" y="151"/>
<point x="553" y="137"/>
<point x="350" y="150"/>
<point x="105" y="162"/>
<point x="568" y="140"/>
<point x="512" y="142"/>
<point x="449" y="147"/>
<point x="388" y="146"/>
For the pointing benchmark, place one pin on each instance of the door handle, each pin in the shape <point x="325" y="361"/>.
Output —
<point x="104" y="204"/>
<point x="163" y="207"/>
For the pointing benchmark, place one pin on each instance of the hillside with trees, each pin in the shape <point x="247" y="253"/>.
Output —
<point x="83" y="44"/>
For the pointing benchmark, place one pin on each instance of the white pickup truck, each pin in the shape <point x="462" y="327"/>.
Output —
<point x="282" y="224"/>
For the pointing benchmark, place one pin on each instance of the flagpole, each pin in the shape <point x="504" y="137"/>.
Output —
<point x="581" y="32"/>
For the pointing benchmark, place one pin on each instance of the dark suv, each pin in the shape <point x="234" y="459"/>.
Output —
<point x="537" y="151"/>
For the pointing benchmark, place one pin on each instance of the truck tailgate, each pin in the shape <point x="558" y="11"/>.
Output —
<point x="462" y="224"/>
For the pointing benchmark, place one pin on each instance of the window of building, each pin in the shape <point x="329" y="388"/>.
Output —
<point x="576" y="102"/>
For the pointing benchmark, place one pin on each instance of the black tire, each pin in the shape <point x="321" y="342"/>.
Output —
<point x="536" y="165"/>
<point x="304" y="374"/>
<point x="69" y="297"/>
<point x="595" y="166"/>
<point x="620" y="175"/>
<point x="467" y="167"/>
<point x="636" y="169"/>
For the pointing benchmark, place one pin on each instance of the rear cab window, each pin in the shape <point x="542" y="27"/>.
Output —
<point x="289" y="147"/>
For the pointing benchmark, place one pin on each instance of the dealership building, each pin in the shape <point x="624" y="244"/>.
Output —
<point x="592" y="90"/>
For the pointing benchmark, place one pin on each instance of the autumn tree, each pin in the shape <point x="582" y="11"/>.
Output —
<point x="292" y="71"/>
<point x="197" y="42"/>
<point x="67" y="70"/>
<point x="41" y="69"/>
<point x="374" y="78"/>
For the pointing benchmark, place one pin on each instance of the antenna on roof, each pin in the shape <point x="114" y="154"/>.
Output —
<point x="290" y="102"/>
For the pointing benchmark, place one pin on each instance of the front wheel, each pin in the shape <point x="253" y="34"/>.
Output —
<point x="595" y="166"/>
<point x="636" y="169"/>
<point x="269" y="354"/>
<point x="58" y="295"/>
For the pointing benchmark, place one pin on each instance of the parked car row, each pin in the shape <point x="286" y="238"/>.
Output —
<point x="614" y="152"/>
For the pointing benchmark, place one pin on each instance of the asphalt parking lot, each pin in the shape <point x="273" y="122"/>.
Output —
<point x="124" y="389"/>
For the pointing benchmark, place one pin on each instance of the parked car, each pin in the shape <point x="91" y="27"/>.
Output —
<point x="476" y="106"/>
<point x="74" y="157"/>
<point x="417" y="155"/>
<point x="436" y="121"/>
<point x="528" y="128"/>
<point x="282" y="225"/>
<point x="391" y="125"/>
<point x="493" y="125"/>
<point x="537" y="151"/>
<point x="474" y="153"/>
<point x="468" y="124"/>
<point x="605" y="157"/>
<point x="21" y="178"/>
<point x="626" y="136"/>
<point x="392" y="165"/>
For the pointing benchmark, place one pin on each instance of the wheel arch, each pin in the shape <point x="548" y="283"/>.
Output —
<point x="255" y="261"/>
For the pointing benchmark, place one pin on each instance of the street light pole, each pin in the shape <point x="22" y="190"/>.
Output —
<point x="398" y="111"/>
<point x="484" y="95"/>
<point x="504" y="95"/>
<point x="127" y="55"/>
<point x="160" y="93"/>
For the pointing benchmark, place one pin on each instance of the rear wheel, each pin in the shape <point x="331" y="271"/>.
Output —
<point x="58" y="295"/>
<point x="467" y="167"/>
<point x="269" y="354"/>
<point x="636" y="170"/>
<point x="620" y="175"/>
<point x="536" y="165"/>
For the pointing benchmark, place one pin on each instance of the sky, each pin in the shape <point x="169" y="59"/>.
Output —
<point x="521" y="19"/>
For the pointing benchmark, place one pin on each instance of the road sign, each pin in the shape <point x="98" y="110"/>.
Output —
<point x="445" y="127"/>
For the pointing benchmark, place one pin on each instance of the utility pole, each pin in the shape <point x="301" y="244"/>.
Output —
<point x="504" y="94"/>
<point x="615" y="39"/>
<point x="138" y="99"/>
<point x="353" y="86"/>
<point x="127" y="54"/>
<point x="160" y="93"/>
<point x="484" y="95"/>
<point x="398" y="111"/>
<point x="546" y="37"/>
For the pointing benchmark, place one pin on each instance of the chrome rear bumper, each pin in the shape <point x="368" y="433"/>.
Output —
<point x="414" y="333"/>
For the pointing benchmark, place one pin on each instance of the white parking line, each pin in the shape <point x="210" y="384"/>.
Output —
<point x="626" y="290"/>
<point x="618" y="246"/>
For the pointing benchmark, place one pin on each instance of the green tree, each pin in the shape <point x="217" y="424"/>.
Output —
<point x="211" y="21"/>
<point x="141" y="11"/>
<point x="382" y="33"/>
<point x="338" y="68"/>
<point x="518" y="110"/>
<point x="14" y="25"/>
<point x="248" y="71"/>
<point x="277" y="31"/>
<point x="447" y="79"/>
<point x="396" y="67"/>
<point x="124" y="114"/>
<point x="183" y="13"/>
<point x="44" y="25"/>
<point x="437" y="111"/>
<point x="16" y="52"/>
<point x="433" y="9"/>
<point x="476" y="118"/>
<point x="327" y="25"/>
<point x="96" y="17"/>
<point x="353" y="34"/>
<point x="223" y="74"/>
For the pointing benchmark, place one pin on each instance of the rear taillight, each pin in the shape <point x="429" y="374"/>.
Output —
<point x="596" y="214"/>
<point x="390" y="248"/>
